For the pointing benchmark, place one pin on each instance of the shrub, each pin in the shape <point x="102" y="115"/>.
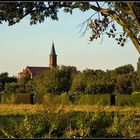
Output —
<point x="123" y="125"/>
<point x="23" y="99"/>
<point x="128" y="100"/>
<point x="8" y="98"/>
<point x="98" y="99"/>
<point x="57" y="99"/>
<point x="135" y="93"/>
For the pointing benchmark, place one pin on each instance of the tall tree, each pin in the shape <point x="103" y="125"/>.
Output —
<point x="59" y="79"/>
<point x="126" y="14"/>
<point x="123" y="84"/>
<point x="124" y="69"/>
<point x="5" y="78"/>
<point x="138" y="67"/>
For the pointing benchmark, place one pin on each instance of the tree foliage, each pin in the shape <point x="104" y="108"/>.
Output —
<point x="59" y="80"/>
<point x="5" y="78"/>
<point x="11" y="87"/>
<point x="123" y="84"/>
<point x="120" y="80"/>
<point x="56" y="81"/>
<point x="125" y="14"/>
<point x="124" y="69"/>
<point x="123" y="80"/>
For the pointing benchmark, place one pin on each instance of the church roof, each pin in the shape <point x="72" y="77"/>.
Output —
<point x="35" y="70"/>
<point x="53" y="50"/>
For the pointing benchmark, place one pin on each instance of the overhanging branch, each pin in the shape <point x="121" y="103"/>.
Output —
<point x="121" y="22"/>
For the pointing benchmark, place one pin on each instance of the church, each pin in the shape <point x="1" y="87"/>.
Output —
<point x="32" y="71"/>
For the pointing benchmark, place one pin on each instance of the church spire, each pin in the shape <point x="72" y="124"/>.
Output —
<point x="53" y="57"/>
<point x="53" y="50"/>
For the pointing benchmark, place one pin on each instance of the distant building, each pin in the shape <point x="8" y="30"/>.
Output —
<point x="32" y="71"/>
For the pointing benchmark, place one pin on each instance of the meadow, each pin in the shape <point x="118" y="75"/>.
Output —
<point x="23" y="109"/>
<point x="68" y="121"/>
<point x="59" y="116"/>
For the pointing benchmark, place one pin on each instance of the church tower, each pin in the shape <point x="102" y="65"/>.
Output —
<point x="53" y="57"/>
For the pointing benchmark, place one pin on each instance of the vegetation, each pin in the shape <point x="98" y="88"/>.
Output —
<point x="64" y="99"/>
<point x="39" y="121"/>
<point x="71" y="103"/>
<point x="121" y="80"/>
<point x="79" y="107"/>
<point x="4" y="78"/>
<point x="109" y="15"/>
<point x="24" y="109"/>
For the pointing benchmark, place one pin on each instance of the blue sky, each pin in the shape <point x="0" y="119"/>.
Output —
<point x="23" y="44"/>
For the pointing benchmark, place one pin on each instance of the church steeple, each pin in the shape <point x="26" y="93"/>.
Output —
<point x="53" y="50"/>
<point x="53" y="57"/>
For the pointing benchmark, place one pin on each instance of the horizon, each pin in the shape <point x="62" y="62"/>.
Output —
<point x="25" y="45"/>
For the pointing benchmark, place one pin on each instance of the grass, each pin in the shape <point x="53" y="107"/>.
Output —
<point x="22" y="109"/>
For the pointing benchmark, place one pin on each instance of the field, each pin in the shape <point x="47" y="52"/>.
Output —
<point x="22" y="109"/>
<point x="68" y="121"/>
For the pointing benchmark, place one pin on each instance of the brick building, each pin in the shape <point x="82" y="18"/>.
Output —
<point x="32" y="71"/>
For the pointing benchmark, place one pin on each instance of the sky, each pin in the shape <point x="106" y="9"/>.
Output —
<point x="25" y="45"/>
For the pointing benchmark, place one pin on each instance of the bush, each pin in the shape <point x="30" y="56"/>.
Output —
<point x="136" y="92"/>
<point x="22" y="99"/>
<point x="8" y="98"/>
<point x="11" y="87"/>
<point x="39" y="99"/>
<point x="128" y="100"/>
<point x="66" y="99"/>
<point x="57" y="99"/>
<point x="123" y="125"/>
<point x="98" y="99"/>
<point x="15" y="98"/>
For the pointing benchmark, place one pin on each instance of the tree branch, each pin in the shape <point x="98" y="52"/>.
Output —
<point x="120" y="21"/>
<point x="133" y="13"/>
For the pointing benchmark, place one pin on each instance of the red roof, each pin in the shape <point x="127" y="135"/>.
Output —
<point x="35" y="70"/>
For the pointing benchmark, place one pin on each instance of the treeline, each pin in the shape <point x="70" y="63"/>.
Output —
<point x="122" y="80"/>
<point x="6" y="79"/>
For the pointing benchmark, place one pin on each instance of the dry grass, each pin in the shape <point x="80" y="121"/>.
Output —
<point x="21" y="109"/>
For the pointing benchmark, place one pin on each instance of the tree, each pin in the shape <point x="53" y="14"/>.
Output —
<point x="92" y="82"/>
<point x="135" y="82"/>
<point x="11" y="87"/>
<point x="138" y="67"/>
<point x="124" y="69"/>
<point x="78" y="83"/>
<point x="38" y="83"/>
<point x="125" y="14"/>
<point x="5" y="78"/>
<point x="124" y="84"/>
<point x="23" y="83"/>
<point x="57" y="80"/>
